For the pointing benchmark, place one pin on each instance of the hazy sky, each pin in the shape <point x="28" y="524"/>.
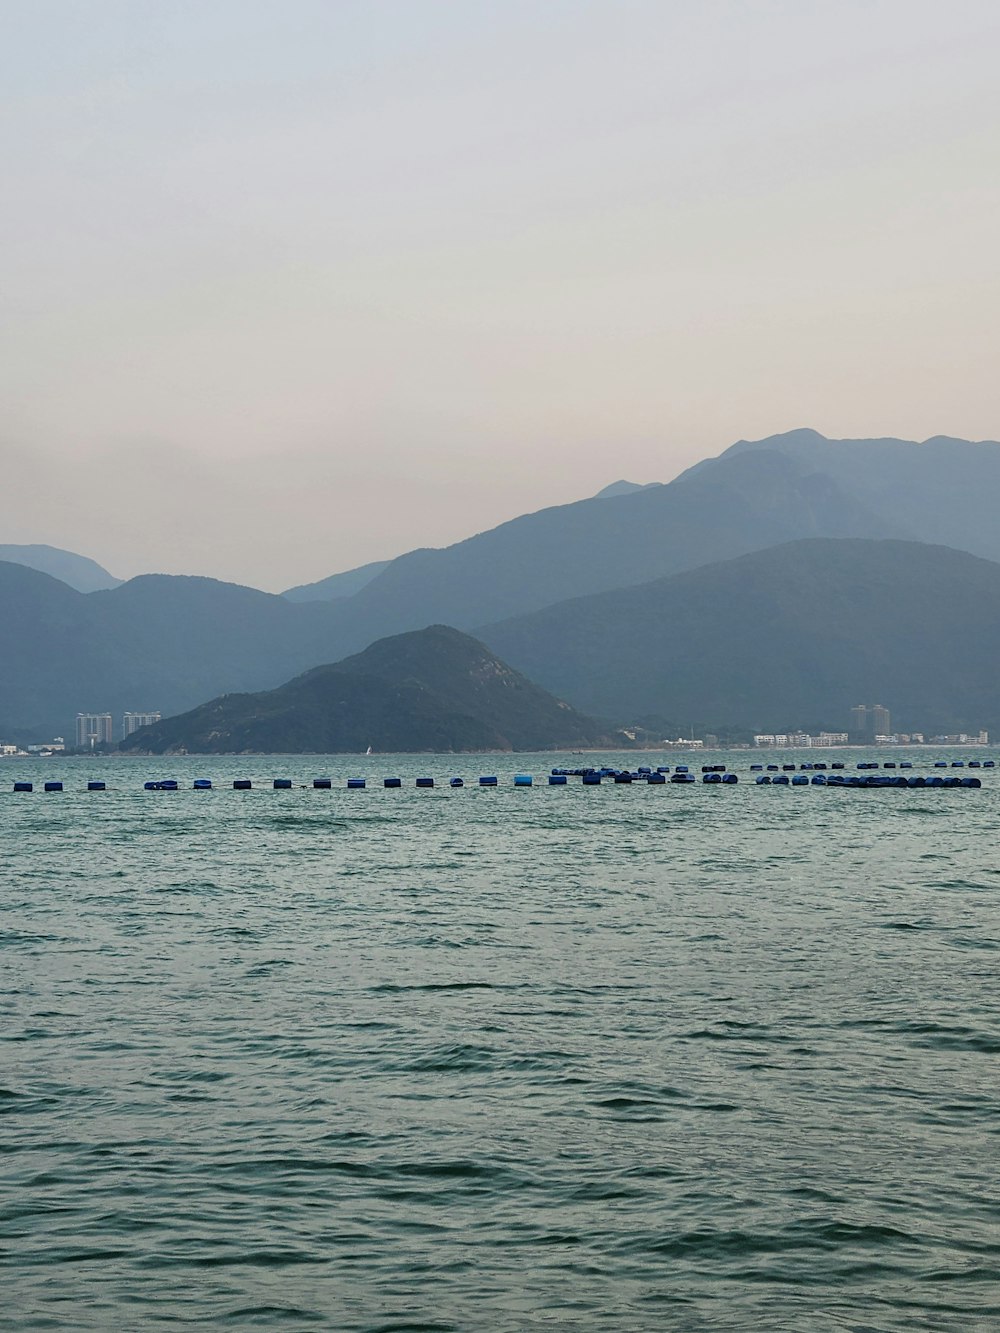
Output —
<point x="292" y="285"/>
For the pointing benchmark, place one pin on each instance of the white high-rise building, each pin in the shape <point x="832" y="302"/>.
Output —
<point x="133" y="721"/>
<point x="93" y="729"/>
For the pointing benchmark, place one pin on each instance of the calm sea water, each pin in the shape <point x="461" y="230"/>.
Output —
<point x="614" y="1058"/>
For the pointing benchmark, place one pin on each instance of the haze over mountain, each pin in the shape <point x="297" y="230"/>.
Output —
<point x="941" y="490"/>
<point x="737" y="505"/>
<point x="336" y="585"/>
<point x="786" y="638"/>
<point x="431" y="690"/>
<point x="79" y="571"/>
<point x="157" y="642"/>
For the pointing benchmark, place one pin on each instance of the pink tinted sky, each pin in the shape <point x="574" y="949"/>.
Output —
<point x="290" y="286"/>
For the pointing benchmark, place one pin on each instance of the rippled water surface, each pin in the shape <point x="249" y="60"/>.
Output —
<point x="587" y="1058"/>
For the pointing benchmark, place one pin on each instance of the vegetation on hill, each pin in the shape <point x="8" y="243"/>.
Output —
<point x="432" y="690"/>
<point x="78" y="571"/>
<point x="789" y="637"/>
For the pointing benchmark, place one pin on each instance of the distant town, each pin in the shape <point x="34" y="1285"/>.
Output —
<point x="869" y="725"/>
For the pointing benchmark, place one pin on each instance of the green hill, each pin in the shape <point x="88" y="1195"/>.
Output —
<point x="790" y="637"/>
<point x="434" y="690"/>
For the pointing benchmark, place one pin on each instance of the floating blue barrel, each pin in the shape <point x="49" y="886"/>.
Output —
<point x="425" y="782"/>
<point x="643" y="770"/>
<point x="168" y="784"/>
<point x="989" y="763"/>
<point x="324" y="783"/>
<point x="958" y="763"/>
<point x="730" y="778"/>
<point x="836" y="780"/>
<point x="591" y="779"/>
<point x="837" y="765"/>
<point x="151" y="786"/>
<point x="392" y="782"/>
<point x="772" y="768"/>
<point x="682" y="768"/>
<point x="623" y="777"/>
<point x="555" y="779"/>
<point x="656" y="778"/>
<point x="24" y="786"/>
<point x="788" y="768"/>
<point x="682" y="777"/>
<point x="202" y="784"/>
<point x="800" y="780"/>
<point x="355" y="784"/>
<point x="53" y="786"/>
<point x="97" y="786"/>
<point x="889" y="763"/>
<point x="763" y="779"/>
<point x="522" y="779"/>
<point x="458" y="782"/>
<point x="940" y="763"/>
<point x="804" y="766"/>
<point x="711" y="777"/>
<point x="818" y="766"/>
<point x="242" y="784"/>
<point x="663" y="768"/>
<point x="974" y="763"/>
<point x="916" y="781"/>
<point x="756" y="768"/>
<point x="819" y="780"/>
<point x="905" y="763"/>
<point x="972" y="782"/>
<point x="489" y="781"/>
<point x="282" y="784"/>
<point x="935" y="780"/>
<point x="780" y="779"/>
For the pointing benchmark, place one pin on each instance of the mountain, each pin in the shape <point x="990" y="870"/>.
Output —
<point x="941" y="490"/>
<point x="433" y="690"/>
<point x="623" y="488"/>
<point x="738" y="505"/>
<point x="157" y="642"/>
<point x="77" y="570"/>
<point x="786" y="638"/>
<point x="337" y="585"/>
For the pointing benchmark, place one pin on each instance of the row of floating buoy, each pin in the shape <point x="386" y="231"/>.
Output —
<point x="867" y="780"/>
<point x="591" y="777"/>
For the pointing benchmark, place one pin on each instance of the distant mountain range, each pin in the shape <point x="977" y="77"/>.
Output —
<point x="158" y="642"/>
<point x="789" y="637"/>
<point x="431" y="690"/>
<point x="337" y="585"/>
<point x="78" y="571"/>
<point x="169" y="643"/>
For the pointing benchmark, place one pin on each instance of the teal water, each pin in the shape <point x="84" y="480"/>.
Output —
<point x="614" y="1058"/>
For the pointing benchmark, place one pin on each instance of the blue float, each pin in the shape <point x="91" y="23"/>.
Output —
<point x="655" y="779"/>
<point x="555" y="779"/>
<point x="780" y="779"/>
<point x="53" y="786"/>
<point x="240" y="784"/>
<point x="425" y="782"/>
<point x="800" y="780"/>
<point x="522" y="779"/>
<point x="763" y="779"/>
<point x="355" y="784"/>
<point x="730" y="778"/>
<point x="323" y="783"/>
<point x="202" y="784"/>
<point x="489" y="781"/>
<point x="282" y="784"/>
<point x="97" y="786"/>
<point x="591" y="779"/>
<point x="24" y="786"/>
<point x="392" y="782"/>
<point x="682" y="777"/>
<point x="457" y="782"/>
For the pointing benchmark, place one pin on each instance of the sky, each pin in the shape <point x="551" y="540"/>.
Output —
<point x="292" y="285"/>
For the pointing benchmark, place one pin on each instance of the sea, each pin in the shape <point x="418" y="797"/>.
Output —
<point x="623" y="1057"/>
